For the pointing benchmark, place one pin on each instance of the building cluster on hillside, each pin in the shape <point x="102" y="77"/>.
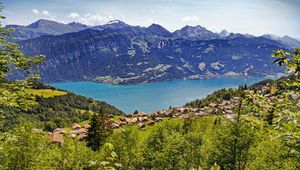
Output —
<point x="142" y="119"/>
<point x="78" y="131"/>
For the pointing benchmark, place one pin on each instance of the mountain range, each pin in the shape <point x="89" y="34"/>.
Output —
<point x="119" y="53"/>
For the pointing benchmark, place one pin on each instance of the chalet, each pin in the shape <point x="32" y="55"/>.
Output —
<point x="86" y="126"/>
<point x="192" y="109"/>
<point x="57" y="138"/>
<point x="75" y="126"/>
<point x="115" y="125"/>
<point x="150" y="122"/>
<point x="294" y="96"/>
<point x="129" y="115"/>
<point x="158" y="119"/>
<point x="184" y="116"/>
<point x="60" y="130"/>
<point x="230" y="116"/>
<point x="142" y="119"/>
<point x="155" y="114"/>
<point x="123" y="119"/>
<point x="82" y="136"/>
<point x="141" y="114"/>
<point x="128" y="121"/>
<point x="134" y="120"/>
<point x="142" y="126"/>
<point x="212" y="105"/>
<point x="200" y="113"/>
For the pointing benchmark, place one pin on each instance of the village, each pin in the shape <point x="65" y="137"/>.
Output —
<point x="143" y="120"/>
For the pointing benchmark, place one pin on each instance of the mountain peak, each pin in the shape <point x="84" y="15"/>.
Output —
<point x="39" y="23"/>
<point x="78" y="25"/>
<point x="52" y="27"/>
<point x="224" y="33"/>
<point x="195" y="33"/>
<point x="157" y="29"/>
<point x="116" y="21"/>
<point x="113" y="24"/>
<point x="287" y="37"/>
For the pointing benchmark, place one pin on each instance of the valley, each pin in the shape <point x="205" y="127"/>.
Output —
<point x="150" y="85"/>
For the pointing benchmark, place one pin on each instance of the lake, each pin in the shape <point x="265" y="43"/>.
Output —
<point x="153" y="96"/>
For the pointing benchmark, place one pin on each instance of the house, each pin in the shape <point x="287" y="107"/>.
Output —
<point x="56" y="137"/>
<point x="155" y="114"/>
<point x="115" y="125"/>
<point x="141" y="114"/>
<point x="158" y="119"/>
<point x="200" y="113"/>
<point x="75" y="126"/>
<point x="82" y="136"/>
<point x="59" y="130"/>
<point x="150" y="122"/>
<point x="86" y="125"/>
<point x="134" y="120"/>
<point x="128" y="121"/>
<point x="142" y="119"/>
<point x="142" y="126"/>
<point x="123" y="119"/>
<point x="129" y="115"/>
<point x="212" y="105"/>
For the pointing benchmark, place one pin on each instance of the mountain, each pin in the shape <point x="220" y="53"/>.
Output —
<point x="23" y="33"/>
<point x="224" y="33"/>
<point x="195" y="33"/>
<point x="286" y="40"/>
<point x="158" y="30"/>
<point x="43" y="27"/>
<point x="114" y="24"/>
<point x="78" y="26"/>
<point x="136" y="55"/>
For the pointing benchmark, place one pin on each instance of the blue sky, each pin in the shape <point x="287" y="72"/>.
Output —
<point x="257" y="17"/>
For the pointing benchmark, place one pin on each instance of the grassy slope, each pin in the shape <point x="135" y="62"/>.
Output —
<point x="54" y="108"/>
<point x="46" y="93"/>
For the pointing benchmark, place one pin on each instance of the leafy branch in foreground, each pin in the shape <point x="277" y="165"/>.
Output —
<point x="290" y="59"/>
<point x="12" y="60"/>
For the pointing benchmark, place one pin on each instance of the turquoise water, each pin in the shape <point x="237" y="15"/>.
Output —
<point x="153" y="96"/>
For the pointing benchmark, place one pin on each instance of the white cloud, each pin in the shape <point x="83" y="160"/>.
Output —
<point x="94" y="19"/>
<point x="35" y="11"/>
<point x="73" y="15"/>
<point x="46" y="13"/>
<point x="43" y="14"/>
<point x="150" y="21"/>
<point x="152" y="11"/>
<point x="190" y="18"/>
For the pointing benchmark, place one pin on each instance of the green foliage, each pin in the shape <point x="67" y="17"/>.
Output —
<point x="233" y="144"/>
<point x="99" y="130"/>
<point x="216" y="97"/>
<point x="54" y="112"/>
<point x="12" y="60"/>
<point x="21" y="149"/>
<point x="291" y="60"/>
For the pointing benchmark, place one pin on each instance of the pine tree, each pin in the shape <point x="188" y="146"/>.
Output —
<point x="99" y="130"/>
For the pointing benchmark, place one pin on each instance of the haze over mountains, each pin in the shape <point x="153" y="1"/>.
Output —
<point x="118" y="53"/>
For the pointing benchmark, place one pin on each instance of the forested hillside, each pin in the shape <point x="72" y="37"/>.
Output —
<point x="52" y="109"/>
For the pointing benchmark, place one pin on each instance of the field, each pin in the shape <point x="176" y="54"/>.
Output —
<point x="46" y="93"/>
